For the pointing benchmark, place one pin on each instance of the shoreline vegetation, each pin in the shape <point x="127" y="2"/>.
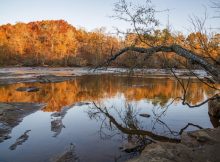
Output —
<point x="55" y="43"/>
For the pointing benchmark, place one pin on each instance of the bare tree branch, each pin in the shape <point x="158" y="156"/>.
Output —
<point x="189" y="55"/>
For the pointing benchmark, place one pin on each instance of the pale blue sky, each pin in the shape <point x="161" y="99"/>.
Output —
<point x="95" y="13"/>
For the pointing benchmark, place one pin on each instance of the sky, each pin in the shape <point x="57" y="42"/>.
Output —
<point x="92" y="14"/>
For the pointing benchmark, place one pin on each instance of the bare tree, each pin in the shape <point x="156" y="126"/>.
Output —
<point x="143" y="21"/>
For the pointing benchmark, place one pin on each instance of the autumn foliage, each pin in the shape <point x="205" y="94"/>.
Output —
<point x="53" y="43"/>
<point x="57" y="43"/>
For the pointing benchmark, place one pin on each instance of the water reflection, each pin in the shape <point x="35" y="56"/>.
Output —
<point x="129" y="125"/>
<point x="95" y="88"/>
<point x="68" y="156"/>
<point x="24" y="137"/>
<point x="128" y="113"/>
<point x="57" y="121"/>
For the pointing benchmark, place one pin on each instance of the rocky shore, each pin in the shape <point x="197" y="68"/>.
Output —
<point x="196" y="146"/>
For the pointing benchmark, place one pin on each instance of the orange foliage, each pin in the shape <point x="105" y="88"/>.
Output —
<point x="52" y="43"/>
<point x="57" y="43"/>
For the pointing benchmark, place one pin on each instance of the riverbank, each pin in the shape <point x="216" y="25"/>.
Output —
<point x="196" y="146"/>
<point x="51" y="75"/>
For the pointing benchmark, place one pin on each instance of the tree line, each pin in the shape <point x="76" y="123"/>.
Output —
<point x="57" y="43"/>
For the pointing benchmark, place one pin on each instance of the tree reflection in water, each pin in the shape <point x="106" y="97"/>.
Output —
<point x="98" y="87"/>
<point x="160" y="93"/>
<point x="125" y="122"/>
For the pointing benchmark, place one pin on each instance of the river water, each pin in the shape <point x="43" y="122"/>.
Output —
<point x="96" y="114"/>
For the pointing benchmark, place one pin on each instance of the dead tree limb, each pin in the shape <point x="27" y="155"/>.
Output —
<point x="189" y="55"/>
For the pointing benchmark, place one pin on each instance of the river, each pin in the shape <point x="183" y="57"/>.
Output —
<point x="91" y="116"/>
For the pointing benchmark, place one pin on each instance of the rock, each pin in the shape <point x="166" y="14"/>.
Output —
<point x="28" y="89"/>
<point x="53" y="78"/>
<point x="35" y="77"/>
<point x="164" y="152"/>
<point x="214" y="108"/>
<point x="24" y="137"/>
<point x="145" y="115"/>
<point x="200" y="136"/>
<point x="68" y="156"/>
<point x="57" y="126"/>
<point x="215" y="121"/>
<point x="12" y="114"/>
<point x="196" y="146"/>
<point x="130" y="147"/>
<point x="135" y="145"/>
<point x="188" y="140"/>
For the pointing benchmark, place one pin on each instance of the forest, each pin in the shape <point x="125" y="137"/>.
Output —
<point x="57" y="43"/>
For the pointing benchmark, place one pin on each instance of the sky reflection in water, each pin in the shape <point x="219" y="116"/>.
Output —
<point x="93" y="134"/>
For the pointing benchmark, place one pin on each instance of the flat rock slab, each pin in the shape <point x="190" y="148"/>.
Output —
<point x="34" y="78"/>
<point x="164" y="152"/>
<point x="53" y="78"/>
<point x="196" y="146"/>
<point x="11" y="114"/>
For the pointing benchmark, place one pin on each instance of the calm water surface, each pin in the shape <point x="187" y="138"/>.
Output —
<point x="97" y="133"/>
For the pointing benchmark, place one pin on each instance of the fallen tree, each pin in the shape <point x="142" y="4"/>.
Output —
<point x="189" y="55"/>
<point x="142" y="22"/>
